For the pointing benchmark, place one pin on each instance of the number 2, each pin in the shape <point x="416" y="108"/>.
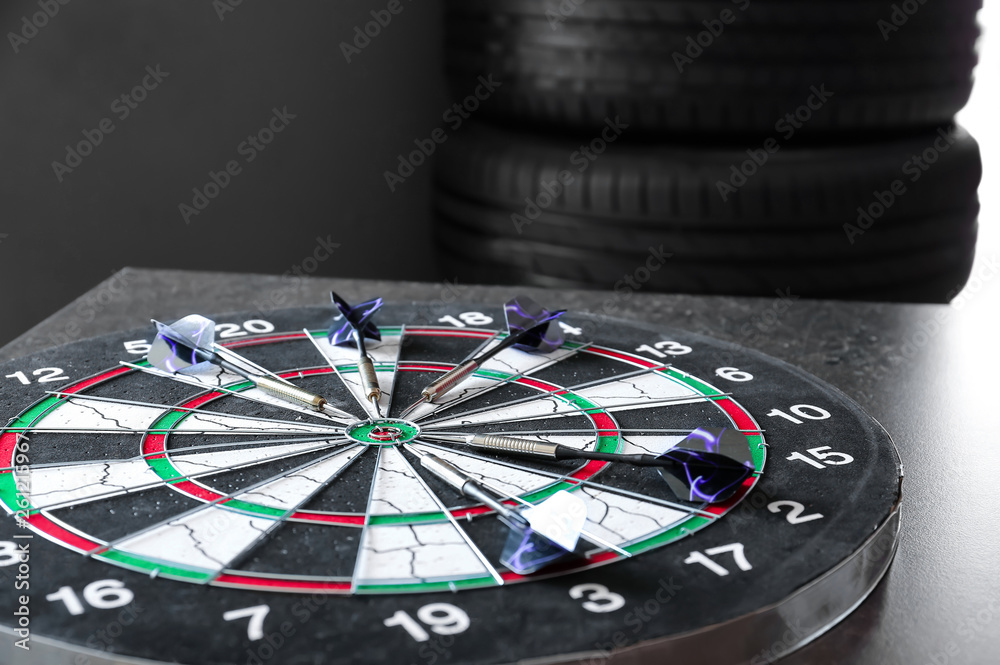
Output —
<point x="795" y="515"/>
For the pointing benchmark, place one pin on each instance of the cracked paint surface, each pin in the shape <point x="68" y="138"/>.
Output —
<point x="621" y="519"/>
<point x="344" y="360"/>
<point x="512" y="481"/>
<point x="397" y="490"/>
<point x="288" y="492"/>
<point x="509" y="361"/>
<point x="79" y="483"/>
<point x="416" y="553"/>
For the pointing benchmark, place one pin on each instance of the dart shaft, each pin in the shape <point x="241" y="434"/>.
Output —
<point x="449" y="380"/>
<point x="466" y="484"/>
<point x="507" y="342"/>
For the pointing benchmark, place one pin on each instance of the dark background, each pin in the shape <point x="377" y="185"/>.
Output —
<point x="322" y="176"/>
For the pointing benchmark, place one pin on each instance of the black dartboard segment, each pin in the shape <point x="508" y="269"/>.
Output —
<point x="197" y="520"/>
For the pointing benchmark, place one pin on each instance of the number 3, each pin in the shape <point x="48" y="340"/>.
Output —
<point x="599" y="598"/>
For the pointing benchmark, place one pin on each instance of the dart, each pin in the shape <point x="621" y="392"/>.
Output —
<point x="358" y="325"/>
<point x="527" y="329"/>
<point x="539" y="534"/>
<point x="190" y="341"/>
<point x="697" y="471"/>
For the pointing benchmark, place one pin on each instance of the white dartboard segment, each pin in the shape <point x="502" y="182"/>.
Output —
<point x="290" y="491"/>
<point x="207" y="539"/>
<point x="397" y="490"/>
<point x="649" y="444"/>
<point x="78" y="413"/>
<point x="509" y="361"/>
<point x="218" y="422"/>
<point x="212" y="376"/>
<point x="621" y="519"/>
<point x="344" y="360"/>
<point x="79" y="483"/>
<point x="82" y="413"/>
<point x="409" y="554"/>
<point x="635" y="392"/>
<point x="212" y="537"/>
<point x="536" y="408"/>
<point x="508" y="479"/>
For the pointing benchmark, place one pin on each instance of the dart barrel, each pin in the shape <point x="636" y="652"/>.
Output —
<point x="449" y="380"/>
<point x="512" y="445"/>
<point x="369" y="380"/>
<point x="291" y="393"/>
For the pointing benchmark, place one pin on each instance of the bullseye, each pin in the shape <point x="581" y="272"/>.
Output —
<point x="385" y="434"/>
<point x="382" y="432"/>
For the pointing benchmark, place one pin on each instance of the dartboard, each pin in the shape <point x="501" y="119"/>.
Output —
<point x="195" y="517"/>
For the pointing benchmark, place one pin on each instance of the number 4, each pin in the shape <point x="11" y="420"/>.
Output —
<point x="570" y="330"/>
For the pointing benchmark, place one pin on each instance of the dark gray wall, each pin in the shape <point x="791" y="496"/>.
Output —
<point x="322" y="176"/>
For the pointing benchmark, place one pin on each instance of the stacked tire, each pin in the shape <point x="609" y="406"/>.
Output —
<point x="713" y="146"/>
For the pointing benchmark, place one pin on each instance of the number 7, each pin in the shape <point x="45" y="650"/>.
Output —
<point x="255" y="630"/>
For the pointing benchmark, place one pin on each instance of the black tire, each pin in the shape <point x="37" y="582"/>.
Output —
<point x="795" y="222"/>
<point x="609" y="58"/>
<point x="807" y="278"/>
<point x="912" y="235"/>
<point x="664" y="186"/>
<point x="938" y="288"/>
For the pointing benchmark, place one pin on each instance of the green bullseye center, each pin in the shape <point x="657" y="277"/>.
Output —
<point x="382" y="432"/>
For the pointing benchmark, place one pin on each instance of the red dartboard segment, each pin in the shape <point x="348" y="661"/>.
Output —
<point x="724" y="507"/>
<point x="740" y="418"/>
<point x="59" y="534"/>
<point x="8" y="442"/>
<point x="279" y="584"/>
<point x="94" y="380"/>
<point x="328" y="518"/>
